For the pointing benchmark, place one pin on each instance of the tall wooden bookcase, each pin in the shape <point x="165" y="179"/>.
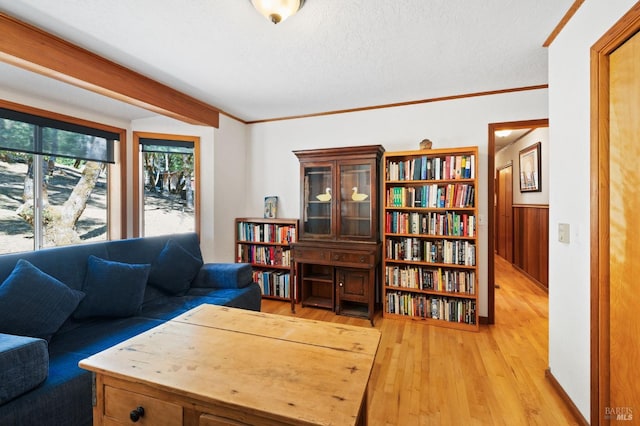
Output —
<point x="430" y="236"/>
<point x="266" y="245"/>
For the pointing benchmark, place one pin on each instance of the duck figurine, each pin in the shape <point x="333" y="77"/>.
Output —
<point x="358" y="197"/>
<point x="326" y="196"/>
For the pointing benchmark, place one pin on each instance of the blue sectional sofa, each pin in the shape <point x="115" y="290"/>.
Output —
<point x="60" y="305"/>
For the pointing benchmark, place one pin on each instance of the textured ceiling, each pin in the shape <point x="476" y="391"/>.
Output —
<point x="333" y="55"/>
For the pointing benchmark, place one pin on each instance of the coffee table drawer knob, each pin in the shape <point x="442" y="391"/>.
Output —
<point x="136" y="414"/>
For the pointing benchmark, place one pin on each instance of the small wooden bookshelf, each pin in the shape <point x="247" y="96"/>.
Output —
<point x="266" y="245"/>
<point x="430" y="236"/>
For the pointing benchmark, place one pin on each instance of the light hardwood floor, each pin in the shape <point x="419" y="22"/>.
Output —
<point x="426" y="375"/>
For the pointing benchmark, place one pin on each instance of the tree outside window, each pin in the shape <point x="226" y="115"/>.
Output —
<point x="169" y="180"/>
<point x="54" y="184"/>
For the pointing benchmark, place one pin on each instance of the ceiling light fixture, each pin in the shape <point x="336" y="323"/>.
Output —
<point x="277" y="10"/>
<point x="503" y="133"/>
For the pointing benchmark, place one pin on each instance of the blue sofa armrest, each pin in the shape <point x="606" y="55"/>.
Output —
<point x="24" y="364"/>
<point x="224" y="275"/>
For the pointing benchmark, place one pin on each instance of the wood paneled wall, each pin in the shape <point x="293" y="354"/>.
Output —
<point x="531" y="241"/>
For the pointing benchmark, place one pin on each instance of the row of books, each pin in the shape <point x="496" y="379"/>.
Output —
<point x="431" y="223"/>
<point x="273" y="283"/>
<point x="264" y="255"/>
<point x="435" y="307"/>
<point x="451" y="195"/>
<point x="425" y="168"/>
<point x="456" y="252"/>
<point x="266" y="232"/>
<point x="431" y="279"/>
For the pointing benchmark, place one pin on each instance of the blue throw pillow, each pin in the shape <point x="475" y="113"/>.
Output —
<point x="33" y="303"/>
<point x="174" y="268"/>
<point x="112" y="289"/>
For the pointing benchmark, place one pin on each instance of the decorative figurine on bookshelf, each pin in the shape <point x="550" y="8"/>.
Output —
<point x="426" y="144"/>
<point x="326" y="196"/>
<point x="270" y="207"/>
<point x="358" y="197"/>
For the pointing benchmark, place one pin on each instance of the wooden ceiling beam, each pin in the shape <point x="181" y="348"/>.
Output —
<point x="33" y="49"/>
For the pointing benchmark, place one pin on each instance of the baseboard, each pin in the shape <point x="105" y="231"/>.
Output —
<point x="565" y="397"/>
<point x="533" y="280"/>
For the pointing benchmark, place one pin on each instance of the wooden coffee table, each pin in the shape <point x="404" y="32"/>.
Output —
<point x="223" y="366"/>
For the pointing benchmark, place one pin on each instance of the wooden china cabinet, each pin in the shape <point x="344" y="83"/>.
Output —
<point x="337" y="255"/>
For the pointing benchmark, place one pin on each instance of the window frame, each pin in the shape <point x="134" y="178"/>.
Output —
<point x="138" y="198"/>
<point x="116" y="176"/>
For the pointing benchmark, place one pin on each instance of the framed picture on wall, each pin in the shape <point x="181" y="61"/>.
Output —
<point x="530" y="168"/>
<point x="270" y="207"/>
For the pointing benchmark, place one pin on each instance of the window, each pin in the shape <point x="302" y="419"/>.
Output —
<point x="168" y="176"/>
<point x="54" y="178"/>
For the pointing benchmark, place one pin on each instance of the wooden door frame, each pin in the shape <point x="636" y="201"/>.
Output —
<point x="621" y="31"/>
<point x="491" y="154"/>
<point x="138" y="191"/>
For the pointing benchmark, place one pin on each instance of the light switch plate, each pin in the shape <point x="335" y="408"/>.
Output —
<point x="564" y="233"/>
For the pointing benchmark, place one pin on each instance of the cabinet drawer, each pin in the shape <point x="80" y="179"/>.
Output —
<point x="119" y="403"/>
<point x="311" y="255"/>
<point x="212" y="420"/>
<point x="363" y="259"/>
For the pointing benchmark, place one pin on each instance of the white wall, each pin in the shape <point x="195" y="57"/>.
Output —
<point x="53" y="106"/>
<point x="569" y="120"/>
<point x="274" y="170"/>
<point x="511" y="155"/>
<point x="231" y="178"/>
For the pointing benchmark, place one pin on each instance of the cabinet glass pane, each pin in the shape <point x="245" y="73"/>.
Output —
<point x="317" y="200"/>
<point x="355" y="200"/>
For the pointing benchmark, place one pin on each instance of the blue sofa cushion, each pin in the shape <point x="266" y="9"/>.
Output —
<point x="174" y="268"/>
<point x="24" y="364"/>
<point x="33" y="303"/>
<point x="113" y="289"/>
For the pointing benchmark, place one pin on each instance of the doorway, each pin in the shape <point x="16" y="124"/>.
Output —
<point x="615" y="130"/>
<point x="492" y="211"/>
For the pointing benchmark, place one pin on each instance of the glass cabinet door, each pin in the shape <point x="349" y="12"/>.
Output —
<point x="318" y="201"/>
<point x="356" y="200"/>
